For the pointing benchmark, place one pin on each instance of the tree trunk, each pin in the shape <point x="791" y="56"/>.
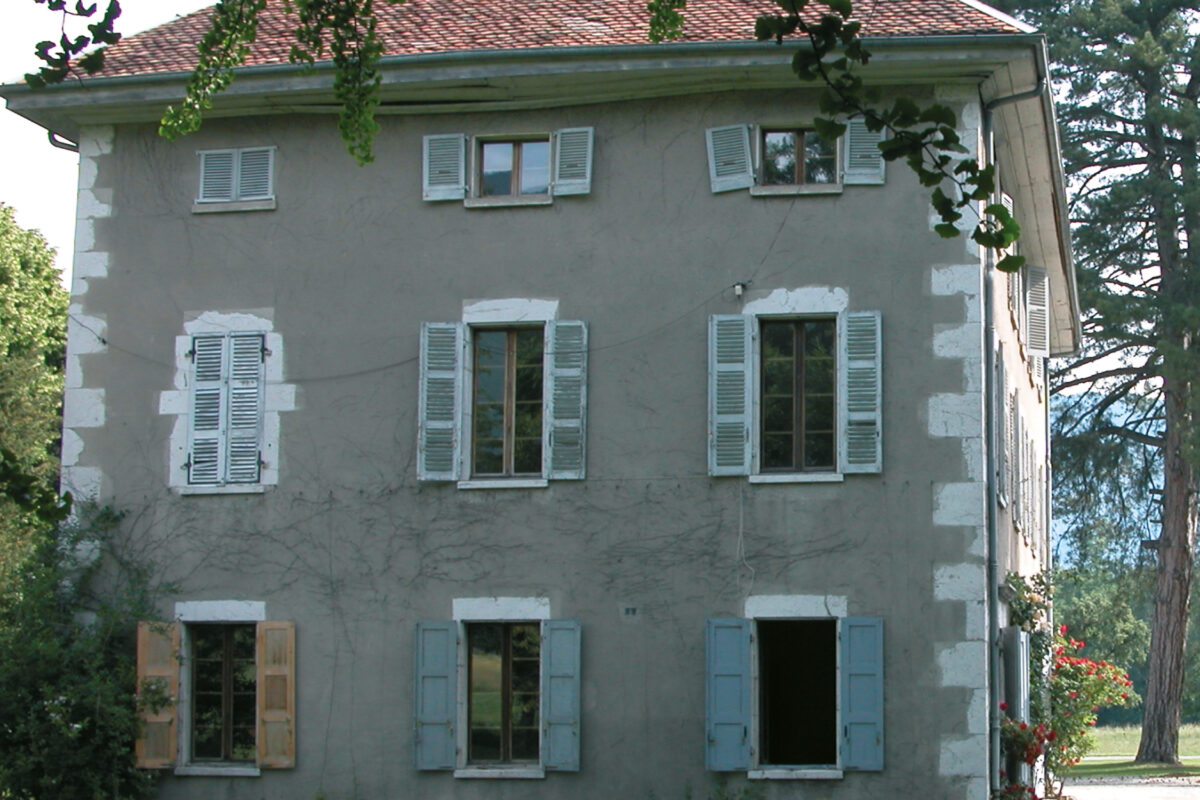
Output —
<point x="1164" y="681"/>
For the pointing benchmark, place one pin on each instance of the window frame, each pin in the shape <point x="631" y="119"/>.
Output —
<point x="517" y="163"/>
<point x="228" y="666"/>
<point x="801" y="134"/>
<point x="470" y="406"/>
<point x="800" y="394"/>
<point x="506" y="690"/>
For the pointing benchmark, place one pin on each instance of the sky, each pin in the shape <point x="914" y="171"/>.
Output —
<point x="37" y="179"/>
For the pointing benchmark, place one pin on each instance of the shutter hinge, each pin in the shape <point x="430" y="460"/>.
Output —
<point x="187" y="465"/>
<point x="265" y="350"/>
<point x="191" y="354"/>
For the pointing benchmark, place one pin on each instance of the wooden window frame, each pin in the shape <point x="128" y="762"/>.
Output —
<point x="508" y="426"/>
<point x="506" y="687"/>
<point x="798" y="430"/>
<point x="517" y="148"/>
<point x="228" y="662"/>
<point x="799" y="176"/>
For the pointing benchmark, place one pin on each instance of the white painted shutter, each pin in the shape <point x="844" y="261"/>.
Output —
<point x="861" y="442"/>
<point x="863" y="162"/>
<point x="444" y="167"/>
<point x="207" y="435"/>
<point x="254" y="173"/>
<point x="1010" y="453"/>
<point x="1037" y="301"/>
<point x="999" y="433"/>
<point x="573" y="161"/>
<point x="438" y="437"/>
<point x="730" y="393"/>
<point x="730" y="165"/>
<point x="1009" y="206"/>
<point x="565" y="401"/>
<point x="245" y="407"/>
<point x="216" y="175"/>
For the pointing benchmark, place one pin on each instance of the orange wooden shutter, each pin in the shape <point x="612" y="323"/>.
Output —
<point x="158" y="672"/>
<point x="276" y="695"/>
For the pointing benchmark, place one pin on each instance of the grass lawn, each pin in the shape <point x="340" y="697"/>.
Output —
<point x="1128" y="769"/>
<point x="1123" y="741"/>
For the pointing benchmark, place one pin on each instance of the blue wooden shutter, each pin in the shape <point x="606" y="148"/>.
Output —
<point x="444" y="167"/>
<point x="438" y="408"/>
<point x="434" y="705"/>
<point x="727" y="699"/>
<point x="863" y="163"/>
<point x="861" y="393"/>
<point x="730" y="393"/>
<point x="862" y="693"/>
<point x="565" y="401"/>
<point x="246" y="379"/>
<point x="730" y="165"/>
<point x="573" y="161"/>
<point x="207" y="435"/>
<point x="560" y="694"/>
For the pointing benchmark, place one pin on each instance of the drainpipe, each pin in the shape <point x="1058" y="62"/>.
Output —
<point x="61" y="142"/>
<point x="989" y="382"/>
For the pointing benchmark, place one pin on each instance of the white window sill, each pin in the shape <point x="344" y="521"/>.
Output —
<point x="799" y="477"/>
<point x="221" y="206"/>
<point x="792" y="189"/>
<point x="793" y="774"/>
<point x="228" y="488"/>
<point x="508" y="773"/>
<point x="219" y="770"/>
<point x="505" y="483"/>
<point x="508" y="200"/>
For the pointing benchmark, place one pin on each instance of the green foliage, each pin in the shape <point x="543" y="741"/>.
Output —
<point x="58" y="62"/>
<point x="68" y="713"/>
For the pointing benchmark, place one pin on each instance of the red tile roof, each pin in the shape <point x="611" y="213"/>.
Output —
<point x="441" y="26"/>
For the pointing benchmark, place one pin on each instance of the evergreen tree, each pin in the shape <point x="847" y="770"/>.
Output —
<point x="1127" y="73"/>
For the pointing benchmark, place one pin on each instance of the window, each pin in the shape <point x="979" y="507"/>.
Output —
<point x="507" y="171"/>
<point x="519" y="680"/>
<point x="795" y="697"/>
<point x="507" y="402"/>
<point x="230" y="698"/>
<point x="236" y="179"/>
<point x="791" y="160"/>
<point x="525" y="420"/>
<point x="795" y="397"/>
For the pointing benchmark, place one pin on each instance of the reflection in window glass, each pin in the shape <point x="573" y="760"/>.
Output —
<point x="799" y="418"/>
<point x="507" y="411"/>
<point x="535" y="167"/>
<point x="509" y="168"/>
<point x="224" y="694"/>
<point x="797" y="157"/>
<point x="504" y="685"/>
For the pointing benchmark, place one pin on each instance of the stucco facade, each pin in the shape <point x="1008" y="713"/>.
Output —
<point x="341" y="537"/>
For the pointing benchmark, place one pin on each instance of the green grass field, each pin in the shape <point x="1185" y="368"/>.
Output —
<point x="1122" y="741"/>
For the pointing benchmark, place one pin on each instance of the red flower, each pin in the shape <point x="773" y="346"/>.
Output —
<point x="1003" y="706"/>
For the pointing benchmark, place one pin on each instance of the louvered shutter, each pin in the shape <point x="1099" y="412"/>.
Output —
<point x="730" y="391"/>
<point x="444" y="167"/>
<point x="863" y="162"/>
<point x="861" y="393"/>
<point x="565" y="402"/>
<point x="560" y="694"/>
<point x="1037" y="302"/>
<point x="727" y="695"/>
<point x="573" y="161"/>
<point x="1015" y="648"/>
<point x="862" y="693"/>
<point x="276" y="689"/>
<point x="1010" y="449"/>
<point x="245" y="407"/>
<point x="158" y="676"/>
<point x="255" y="173"/>
<point x="434" y="707"/>
<point x="439" y="406"/>
<point x="216" y="175"/>
<point x="999" y="424"/>
<point x="730" y="165"/>
<point x="207" y="442"/>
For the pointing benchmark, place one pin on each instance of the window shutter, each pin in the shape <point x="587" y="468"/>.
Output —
<point x="246" y="380"/>
<point x="560" y="694"/>
<point x="727" y="695"/>
<point x="862" y="693"/>
<point x="444" y="167"/>
<point x="861" y="393"/>
<point x="434" y="707"/>
<point x="254" y="174"/>
<point x="1015" y="647"/>
<point x="573" y="161"/>
<point x="1037" y="312"/>
<point x="729" y="163"/>
<point x="216" y="175"/>
<point x="565" y="400"/>
<point x="276" y="660"/>
<point x="1010" y="451"/>
<point x="438" y="440"/>
<point x="864" y="163"/>
<point x="730" y="389"/>
<point x="999" y="432"/>
<point x="158" y="670"/>
<point x="209" y="401"/>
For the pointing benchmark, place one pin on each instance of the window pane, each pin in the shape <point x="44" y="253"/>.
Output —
<point x="818" y="450"/>
<point x="527" y="457"/>
<point x="497" y="164"/>
<point x="488" y="458"/>
<point x="779" y="158"/>
<point x="485" y="744"/>
<point x="535" y="167"/>
<point x="818" y="414"/>
<point x="525" y="745"/>
<point x="820" y="159"/>
<point x="777" y="451"/>
<point x="777" y="339"/>
<point x="818" y="376"/>
<point x="777" y="414"/>
<point x="779" y="376"/>
<point x="819" y="338"/>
